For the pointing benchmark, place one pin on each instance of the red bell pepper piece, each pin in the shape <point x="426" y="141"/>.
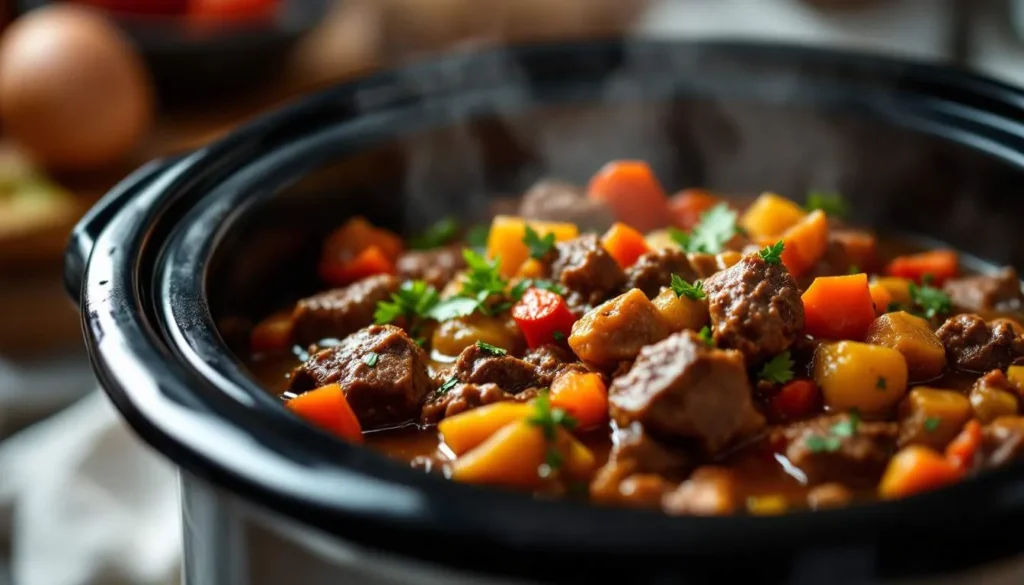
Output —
<point x="543" y="317"/>
<point x="796" y="399"/>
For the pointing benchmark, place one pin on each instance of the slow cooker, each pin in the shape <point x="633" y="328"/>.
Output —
<point x="174" y="262"/>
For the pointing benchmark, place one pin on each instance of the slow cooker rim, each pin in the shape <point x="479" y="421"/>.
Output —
<point x="705" y="529"/>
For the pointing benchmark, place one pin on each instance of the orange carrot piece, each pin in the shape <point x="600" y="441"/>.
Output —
<point x="625" y="244"/>
<point x="272" y="334"/>
<point x="687" y="206"/>
<point x="583" y="395"/>
<point x="805" y="243"/>
<point x="327" y="408"/>
<point x="962" y="450"/>
<point x="915" y="469"/>
<point x="838" y="307"/>
<point x="940" y="265"/>
<point x="796" y="399"/>
<point x="630" y="189"/>
<point x="356" y="235"/>
<point x="881" y="297"/>
<point x="371" y="261"/>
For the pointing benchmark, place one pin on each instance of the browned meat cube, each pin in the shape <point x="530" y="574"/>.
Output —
<point x="977" y="346"/>
<point x="838" y="448"/>
<point x="640" y="470"/>
<point x="984" y="292"/>
<point x="654" y="270"/>
<point x="617" y="330"/>
<point x="587" y="271"/>
<point x="340" y="312"/>
<point x="460" y="398"/>
<point x="479" y="366"/>
<point x="435" y="267"/>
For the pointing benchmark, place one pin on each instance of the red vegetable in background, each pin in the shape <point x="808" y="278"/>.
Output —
<point x="543" y="317"/>
<point x="940" y="265"/>
<point x="369" y="262"/>
<point x="687" y="206"/>
<point x="796" y="399"/>
<point x="356" y="250"/>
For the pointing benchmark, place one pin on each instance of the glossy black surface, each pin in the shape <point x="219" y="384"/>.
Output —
<point x="220" y="235"/>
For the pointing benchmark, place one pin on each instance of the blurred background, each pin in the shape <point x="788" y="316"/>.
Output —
<point x="91" y="89"/>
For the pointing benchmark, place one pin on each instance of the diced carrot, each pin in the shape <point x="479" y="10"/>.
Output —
<point x="940" y="265"/>
<point x="272" y="334"/>
<point x="625" y="244"/>
<point x="769" y="216"/>
<point x="963" y="449"/>
<point x="327" y="408"/>
<point x="371" y="261"/>
<point x="880" y="296"/>
<point x="356" y="235"/>
<point x="796" y="399"/>
<point x="915" y="469"/>
<point x="468" y="429"/>
<point x="583" y="395"/>
<point x="687" y="206"/>
<point x="630" y="189"/>
<point x="506" y="240"/>
<point x="544" y="317"/>
<point x="805" y="243"/>
<point x="860" y="247"/>
<point x="838" y="307"/>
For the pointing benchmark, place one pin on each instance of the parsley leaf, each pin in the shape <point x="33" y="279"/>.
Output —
<point x="539" y="247"/>
<point x="931" y="424"/>
<point x="832" y="204"/>
<point x="477" y="236"/>
<point x="846" y="427"/>
<point x="932" y="301"/>
<point x="716" y="227"/>
<point x="705" y="335"/>
<point x="548" y="419"/>
<point x="371" y="359"/>
<point x="832" y="442"/>
<point x="773" y="254"/>
<point x="452" y="308"/>
<point x="777" y="370"/>
<point x="436" y="235"/>
<point x="482" y="280"/>
<point x="819" y="444"/>
<point x="682" y="288"/>
<point x="491" y="349"/>
<point x="448" y="385"/>
<point x="414" y="298"/>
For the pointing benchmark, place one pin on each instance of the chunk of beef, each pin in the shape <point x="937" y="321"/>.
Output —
<point x="435" y="267"/>
<point x="589" y="274"/>
<point x="654" y="270"/>
<point x="340" y="312"/>
<point x="550" y="361"/>
<point x="838" y="448"/>
<point x="755" y="308"/>
<point x="1002" y="441"/>
<point x="704" y="265"/>
<point x="617" y="330"/>
<point x="710" y="491"/>
<point x="640" y="469"/>
<point x="984" y="292"/>
<point x="460" y="398"/>
<point x="479" y="366"/>
<point x="556" y="200"/>
<point x="974" y="345"/>
<point x="384" y="394"/>
<point x="680" y="387"/>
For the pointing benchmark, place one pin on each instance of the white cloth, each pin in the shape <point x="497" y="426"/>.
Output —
<point x="85" y="502"/>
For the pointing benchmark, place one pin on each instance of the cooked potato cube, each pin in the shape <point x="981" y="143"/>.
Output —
<point x="990" y="403"/>
<point x="617" y="330"/>
<point x="932" y="417"/>
<point x="681" y="313"/>
<point x="913" y="337"/>
<point x="853" y="375"/>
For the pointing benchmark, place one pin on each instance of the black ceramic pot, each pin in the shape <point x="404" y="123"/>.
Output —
<point x="178" y="257"/>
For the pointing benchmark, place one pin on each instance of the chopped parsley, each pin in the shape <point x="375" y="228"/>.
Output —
<point x="819" y="444"/>
<point x="413" y="300"/>
<point x="548" y="420"/>
<point x="705" y="335"/>
<point x="477" y="236"/>
<point x="932" y="301"/>
<point x="931" y="424"/>
<point x="539" y="246"/>
<point x="832" y="442"/>
<point x="777" y="370"/>
<point x="491" y="349"/>
<point x="716" y="227"/>
<point x="832" y="204"/>
<point x="436" y="235"/>
<point x="452" y="308"/>
<point x="682" y="288"/>
<point x="448" y="385"/>
<point x="880" y="384"/>
<point x="371" y="359"/>
<point x="773" y="254"/>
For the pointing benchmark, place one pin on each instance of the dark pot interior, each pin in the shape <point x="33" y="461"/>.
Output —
<point x="915" y="149"/>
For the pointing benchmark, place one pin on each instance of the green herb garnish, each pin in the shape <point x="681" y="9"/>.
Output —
<point x="482" y="281"/>
<point x="846" y="428"/>
<point x="819" y="444"/>
<point x="477" y="236"/>
<point x="932" y="301"/>
<point x="436" y="235"/>
<point x="931" y="424"/>
<point x="773" y="254"/>
<point x="832" y="204"/>
<point x="717" y="226"/>
<point x="452" y="308"/>
<point x="548" y="420"/>
<point x="682" y="288"/>
<point x="371" y="359"/>
<point x="448" y="385"/>
<point x="777" y="370"/>
<point x="491" y="349"/>
<point x="705" y="336"/>
<point x="413" y="300"/>
<point x="539" y="247"/>
<point x="832" y="442"/>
